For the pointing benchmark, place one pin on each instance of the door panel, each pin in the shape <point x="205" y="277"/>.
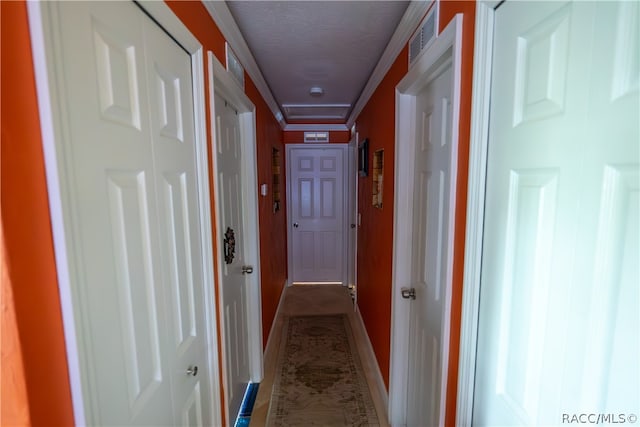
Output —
<point x="317" y="182"/>
<point x="559" y="295"/>
<point x="430" y="259"/>
<point x="172" y="124"/>
<point x="138" y="304"/>
<point x="234" y="286"/>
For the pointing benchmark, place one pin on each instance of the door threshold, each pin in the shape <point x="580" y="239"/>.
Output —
<point x="316" y="283"/>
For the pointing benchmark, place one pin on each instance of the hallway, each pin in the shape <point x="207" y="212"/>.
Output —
<point x="307" y="300"/>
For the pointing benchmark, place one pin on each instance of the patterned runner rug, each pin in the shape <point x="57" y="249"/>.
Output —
<point x="319" y="377"/>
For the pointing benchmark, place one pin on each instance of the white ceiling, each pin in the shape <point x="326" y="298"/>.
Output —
<point x="335" y="45"/>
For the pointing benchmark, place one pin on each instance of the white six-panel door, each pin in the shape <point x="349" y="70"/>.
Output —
<point x="129" y="150"/>
<point x="431" y="217"/>
<point x="229" y="152"/>
<point x="558" y="328"/>
<point x="317" y="218"/>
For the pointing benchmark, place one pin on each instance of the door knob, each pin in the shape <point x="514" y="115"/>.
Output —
<point x="295" y="224"/>
<point x="247" y="269"/>
<point x="408" y="293"/>
<point x="192" y="371"/>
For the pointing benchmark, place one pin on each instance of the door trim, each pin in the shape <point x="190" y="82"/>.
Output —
<point x="54" y="128"/>
<point x="447" y="45"/>
<point x="479" y="141"/>
<point x="345" y="208"/>
<point x="221" y="82"/>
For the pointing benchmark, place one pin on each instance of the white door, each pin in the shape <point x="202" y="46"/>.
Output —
<point x="432" y="213"/>
<point x="130" y="149"/>
<point x="234" y="286"/>
<point x="558" y="327"/>
<point x="317" y="189"/>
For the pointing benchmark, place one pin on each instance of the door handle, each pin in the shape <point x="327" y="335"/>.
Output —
<point x="295" y="224"/>
<point x="353" y="226"/>
<point x="192" y="371"/>
<point x="408" y="293"/>
<point x="247" y="269"/>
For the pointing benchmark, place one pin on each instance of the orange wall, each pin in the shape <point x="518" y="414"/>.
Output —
<point x="26" y="224"/>
<point x="27" y="234"/>
<point x="15" y="405"/>
<point x="335" y="136"/>
<point x="273" y="226"/>
<point x="448" y="9"/>
<point x="375" y="237"/>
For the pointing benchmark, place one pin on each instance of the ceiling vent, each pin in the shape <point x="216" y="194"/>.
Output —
<point x="425" y="35"/>
<point x="316" y="137"/>
<point x="316" y="111"/>
<point x="234" y="66"/>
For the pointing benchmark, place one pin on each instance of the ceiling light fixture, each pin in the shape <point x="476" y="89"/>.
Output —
<point x="316" y="91"/>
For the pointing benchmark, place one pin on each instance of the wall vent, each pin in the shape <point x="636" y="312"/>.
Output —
<point x="426" y="33"/>
<point x="234" y="66"/>
<point x="316" y="137"/>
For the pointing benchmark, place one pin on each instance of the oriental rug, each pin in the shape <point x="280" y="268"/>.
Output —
<point x="319" y="376"/>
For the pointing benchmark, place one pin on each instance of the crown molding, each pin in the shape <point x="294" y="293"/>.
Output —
<point x="410" y="20"/>
<point x="317" y="127"/>
<point x="223" y="18"/>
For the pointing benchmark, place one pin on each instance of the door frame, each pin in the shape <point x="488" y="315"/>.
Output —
<point x="447" y="45"/>
<point x="479" y="142"/>
<point x="352" y="209"/>
<point x="345" y="203"/>
<point x="222" y="82"/>
<point x="54" y="129"/>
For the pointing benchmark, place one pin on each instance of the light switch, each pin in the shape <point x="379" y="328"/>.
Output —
<point x="263" y="190"/>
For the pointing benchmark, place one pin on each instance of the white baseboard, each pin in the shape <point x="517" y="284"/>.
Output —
<point x="275" y="316"/>
<point x="384" y="394"/>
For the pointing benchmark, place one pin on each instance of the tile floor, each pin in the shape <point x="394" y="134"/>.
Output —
<point x="316" y="299"/>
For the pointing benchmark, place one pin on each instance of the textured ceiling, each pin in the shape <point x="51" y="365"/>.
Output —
<point x="331" y="44"/>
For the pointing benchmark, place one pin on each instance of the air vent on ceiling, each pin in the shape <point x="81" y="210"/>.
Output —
<point x="234" y="66"/>
<point x="425" y="35"/>
<point x="315" y="137"/>
<point x="316" y="111"/>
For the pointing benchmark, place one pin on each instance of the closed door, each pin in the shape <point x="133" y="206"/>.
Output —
<point x="316" y="177"/>
<point x="558" y="327"/>
<point x="136" y="244"/>
<point x="234" y="286"/>
<point x="432" y="213"/>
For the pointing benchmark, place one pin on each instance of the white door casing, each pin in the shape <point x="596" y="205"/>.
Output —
<point x="316" y="176"/>
<point x="124" y="155"/>
<point x="556" y="329"/>
<point x="233" y="130"/>
<point x="424" y="113"/>
<point x="352" y="211"/>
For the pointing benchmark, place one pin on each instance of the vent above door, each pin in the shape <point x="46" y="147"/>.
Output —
<point x="426" y="33"/>
<point x="234" y="66"/>
<point x="316" y="137"/>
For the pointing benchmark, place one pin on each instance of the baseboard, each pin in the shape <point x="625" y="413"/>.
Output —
<point x="384" y="394"/>
<point x="275" y="316"/>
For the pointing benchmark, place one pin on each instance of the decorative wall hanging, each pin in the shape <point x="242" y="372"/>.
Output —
<point x="363" y="158"/>
<point x="229" y="245"/>
<point x="377" y="172"/>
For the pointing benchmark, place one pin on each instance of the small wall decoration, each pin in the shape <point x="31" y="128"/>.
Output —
<point x="363" y="158"/>
<point x="229" y="245"/>
<point x="377" y="172"/>
<point x="275" y="182"/>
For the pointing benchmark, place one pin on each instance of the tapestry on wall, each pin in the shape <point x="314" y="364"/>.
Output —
<point x="319" y="376"/>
